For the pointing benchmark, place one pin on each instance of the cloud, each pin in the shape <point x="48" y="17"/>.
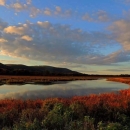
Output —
<point x="2" y="40"/>
<point x="111" y="59"/>
<point x="24" y="6"/>
<point x="2" y="2"/>
<point x="103" y="16"/>
<point x="34" y="11"/>
<point x="53" y="43"/>
<point x="3" y="24"/>
<point x="117" y="70"/>
<point x="19" y="30"/>
<point x="27" y="38"/>
<point x="58" y="10"/>
<point x="126" y="14"/>
<point x="18" y="6"/>
<point x="59" y="43"/>
<point x="121" y="32"/>
<point x="47" y="11"/>
<point x="45" y="24"/>
<point x="98" y="16"/>
<point x="68" y="13"/>
<point x="29" y="2"/>
<point x="87" y="17"/>
<point x="27" y="5"/>
<point x="116" y="57"/>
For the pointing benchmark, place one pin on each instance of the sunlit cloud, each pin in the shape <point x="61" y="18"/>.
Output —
<point x="15" y="30"/>
<point x="47" y="11"/>
<point x="18" y="6"/>
<point x="45" y="24"/>
<point x="66" y="35"/>
<point x="54" y="42"/>
<point x="27" y="38"/>
<point x="2" y="2"/>
<point x="2" y="40"/>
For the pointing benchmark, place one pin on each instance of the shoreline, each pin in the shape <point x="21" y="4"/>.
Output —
<point x="21" y="80"/>
<point x="121" y="80"/>
<point x="41" y="79"/>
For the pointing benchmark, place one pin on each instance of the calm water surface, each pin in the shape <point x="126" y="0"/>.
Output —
<point x="62" y="89"/>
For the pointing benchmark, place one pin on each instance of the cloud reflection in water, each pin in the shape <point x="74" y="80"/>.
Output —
<point x="74" y="88"/>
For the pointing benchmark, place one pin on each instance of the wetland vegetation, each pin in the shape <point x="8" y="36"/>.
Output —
<point x="108" y="111"/>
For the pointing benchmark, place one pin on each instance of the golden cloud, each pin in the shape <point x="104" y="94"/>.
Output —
<point x="27" y="38"/>
<point x="14" y="30"/>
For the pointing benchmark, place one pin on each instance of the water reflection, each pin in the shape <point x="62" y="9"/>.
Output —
<point x="69" y="89"/>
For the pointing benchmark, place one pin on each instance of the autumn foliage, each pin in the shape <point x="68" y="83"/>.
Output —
<point x="93" y="112"/>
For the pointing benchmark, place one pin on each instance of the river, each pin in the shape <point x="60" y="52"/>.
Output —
<point x="60" y="89"/>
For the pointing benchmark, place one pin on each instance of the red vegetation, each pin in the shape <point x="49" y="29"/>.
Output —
<point x="122" y="80"/>
<point x="92" y="109"/>
<point x="114" y="101"/>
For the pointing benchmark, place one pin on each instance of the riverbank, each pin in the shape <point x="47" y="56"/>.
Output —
<point x="121" y="80"/>
<point x="9" y="79"/>
<point x="41" y="79"/>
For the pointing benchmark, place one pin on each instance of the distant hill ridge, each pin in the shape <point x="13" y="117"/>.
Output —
<point x="19" y="69"/>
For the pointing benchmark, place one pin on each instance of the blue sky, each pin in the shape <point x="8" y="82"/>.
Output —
<point x="89" y="36"/>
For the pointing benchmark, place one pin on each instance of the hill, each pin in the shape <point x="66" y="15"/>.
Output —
<point x="19" y="69"/>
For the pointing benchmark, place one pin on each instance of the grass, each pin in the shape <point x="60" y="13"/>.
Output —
<point x="122" y="80"/>
<point x="51" y="79"/>
<point x="40" y="79"/>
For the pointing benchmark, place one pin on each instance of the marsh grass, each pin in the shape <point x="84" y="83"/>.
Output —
<point x="108" y="111"/>
<point x="40" y="79"/>
<point x="122" y="80"/>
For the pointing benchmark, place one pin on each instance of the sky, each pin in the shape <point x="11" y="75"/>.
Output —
<point x="89" y="36"/>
